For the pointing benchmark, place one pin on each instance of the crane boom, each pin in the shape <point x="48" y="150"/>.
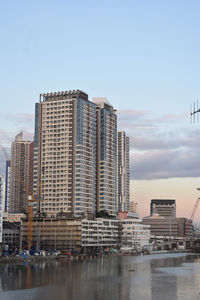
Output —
<point x="188" y="226"/>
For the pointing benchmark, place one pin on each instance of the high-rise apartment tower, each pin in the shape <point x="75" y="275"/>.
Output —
<point x="123" y="172"/>
<point x="65" y="152"/>
<point x="20" y="182"/>
<point x="106" y="191"/>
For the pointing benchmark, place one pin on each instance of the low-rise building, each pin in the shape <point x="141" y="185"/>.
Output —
<point x="161" y="226"/>
<point x="11" y="236"/>
<point x="13" y="217"/>
<point x="99" y="233"/>
<point x="134" y="234"/>
<point x="53" y="234"/>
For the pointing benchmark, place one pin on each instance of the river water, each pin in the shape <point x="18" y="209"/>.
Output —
<point x="155" y="277"/>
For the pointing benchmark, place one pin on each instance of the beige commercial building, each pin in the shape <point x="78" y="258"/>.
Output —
<point x="53" y="234"/>
<point x="65" y="152"/>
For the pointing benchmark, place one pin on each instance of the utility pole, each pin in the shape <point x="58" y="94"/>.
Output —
<point x="55" y="237"/>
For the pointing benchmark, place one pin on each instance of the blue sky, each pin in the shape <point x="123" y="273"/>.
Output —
<point x="142" y="55"/>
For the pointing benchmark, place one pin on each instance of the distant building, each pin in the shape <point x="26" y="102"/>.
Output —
<point x="21" y="168"/>
<point x="11" y="236"/>
<point x="1" y="207"/>
<point x="185" y="227"/>
<point x="162" y="226"/>
<point x="99" y="233"/>
<point x="53" y="234"/>
<point x="13" y="217"/>
<point x="134" y="234"/>
<point x="163" y="207"/>
<point x="133" y="207"/>
<point x="123" y="172"/>
<point x="7" y="185"/>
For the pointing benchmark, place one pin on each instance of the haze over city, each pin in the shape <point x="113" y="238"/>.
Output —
<point x="142" y="56"/>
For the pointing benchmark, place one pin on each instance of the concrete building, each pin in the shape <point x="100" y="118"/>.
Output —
<point x="65" y="152"/>
<point x="99" y="233"/>
<point x="162" y="226"/>
<point x="163" y="207"/>
<point x="106" y="139"/>
<point x="7" y="186"/>
<point x="185" y="227"/>
<point x="53" y="234"/>
<point x="133" y="233"/>
<point x="1" y="207"/>
<point x="13" y="217"/>
<point x="11" y="236"/>
<point x="123" y="172"/>
<point x="21" y="182"/>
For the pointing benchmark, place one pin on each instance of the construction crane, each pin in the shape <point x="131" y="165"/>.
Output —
<point x="189" y="222"/>
<point x="31" y="197"/>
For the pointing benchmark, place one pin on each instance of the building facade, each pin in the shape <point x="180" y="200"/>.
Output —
<point x="7" y="185"/>
<point x="163" y="207"/>
<point x="134" y="234"/>
<point x="65" y="153"/>
<point x="1" y="207"/>
<point x="106" y="139"/>
<point x="123" y="172"/>
<point x="20" y="181"/>
<point x="53" y="234"/>
<point x="99" y="233"/>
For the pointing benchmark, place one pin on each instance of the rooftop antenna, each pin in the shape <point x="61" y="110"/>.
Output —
<point x="194" y="109"/>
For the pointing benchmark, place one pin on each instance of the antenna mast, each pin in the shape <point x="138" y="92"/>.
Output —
<point x="194" y="110"/>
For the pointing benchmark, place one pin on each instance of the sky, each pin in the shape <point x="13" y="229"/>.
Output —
<point x="142" y="55"/>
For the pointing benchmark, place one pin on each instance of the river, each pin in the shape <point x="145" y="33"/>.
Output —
<point x="151" y="277"/>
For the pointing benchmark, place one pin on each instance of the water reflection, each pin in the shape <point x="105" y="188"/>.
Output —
<point x="149" y="277"/>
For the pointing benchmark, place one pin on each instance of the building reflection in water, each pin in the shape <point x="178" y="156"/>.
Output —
<point x="117" y="278"/>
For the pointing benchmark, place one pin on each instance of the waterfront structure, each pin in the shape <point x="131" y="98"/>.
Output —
<point x="123" y="172"/>
<point x="100" y="233"/>
<point x="21" y="182"/>
<point x="134" y="234"/>
<point x="162" y="226"/>
<point x="53" y="234"/>
<point x="1" y="207"/>
<point x="7" y="185"/>
<point x="163" y="207"/>
<point x="106" y="158"/>
<point x="185" y="227"/>
<point x="65" y="153"/>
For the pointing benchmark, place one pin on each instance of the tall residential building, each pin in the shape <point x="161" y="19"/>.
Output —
<point x="123" y="172"/>
<point x="20" y="182"/>
<point x="65" y="152"/>
<point x="1" y="207"/>
<point x="106" y="191"/>
<point x="7" y="186"/>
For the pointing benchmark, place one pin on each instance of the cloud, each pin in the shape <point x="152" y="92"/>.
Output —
<point x="19" y="117"/>
<point x="165" y="164"/>
<point x="6" y="137"/>
<point x="161" y="147"/>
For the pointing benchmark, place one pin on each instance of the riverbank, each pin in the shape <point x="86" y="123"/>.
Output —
<point x="35" y="259"/>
